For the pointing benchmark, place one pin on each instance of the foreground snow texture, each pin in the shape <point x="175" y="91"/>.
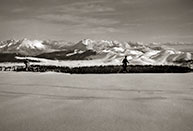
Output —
<point x="129" y="102"/>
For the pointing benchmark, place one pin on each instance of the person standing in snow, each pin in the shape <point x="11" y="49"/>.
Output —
<point x="125" y="61"/>
<point x="26" y="62"/>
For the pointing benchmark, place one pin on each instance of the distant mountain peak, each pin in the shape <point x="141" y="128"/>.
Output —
<point x="33" y="44"/>
<point x="87" y="42"/>
<point x="29" y="47"/>
<point x="105" y="50"/>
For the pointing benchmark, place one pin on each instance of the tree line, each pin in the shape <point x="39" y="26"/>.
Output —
<point x="101" y="69"/>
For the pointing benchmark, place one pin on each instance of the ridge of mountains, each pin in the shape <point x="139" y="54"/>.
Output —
<point x="87" y="49"/>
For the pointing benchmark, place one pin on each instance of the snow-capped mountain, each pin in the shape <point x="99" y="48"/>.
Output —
<point x="106" y="51"/>
<point x="138" y="53"/>
<point x="30" y="47"/>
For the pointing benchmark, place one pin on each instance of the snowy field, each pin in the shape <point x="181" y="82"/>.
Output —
<point x="112" y="102"/>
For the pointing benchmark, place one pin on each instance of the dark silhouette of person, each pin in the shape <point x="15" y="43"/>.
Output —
<point x="26" y="62"/>
<point x="125" y="61"/>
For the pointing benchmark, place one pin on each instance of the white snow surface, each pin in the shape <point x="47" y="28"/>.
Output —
<point x="69" y="63"/>
<point x="112" y="102"/>
<point x="31" y="44"/>
<point x="2" y="46"/>
<point x="75" y="52"/>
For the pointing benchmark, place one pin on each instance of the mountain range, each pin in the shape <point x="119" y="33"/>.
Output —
<point x="87" y="49"/>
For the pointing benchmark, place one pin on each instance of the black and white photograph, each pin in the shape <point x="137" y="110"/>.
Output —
<point x="96" y="65"/>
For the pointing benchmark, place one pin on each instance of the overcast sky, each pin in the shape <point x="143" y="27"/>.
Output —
<point x="73" y="20"/>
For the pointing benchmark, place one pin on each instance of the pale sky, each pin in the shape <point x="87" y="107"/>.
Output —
<point x="73" y="20"/>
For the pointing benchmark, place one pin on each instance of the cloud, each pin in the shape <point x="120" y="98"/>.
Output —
<point x="132" y="2"/>
<point x="73" y="19"/>
<point x="93" y="30"/>
<point x="173" y="37"/>
<point x="62" y="6"/>
<point x="84" y="7"/>
<point x="91" y="12"/>
<point x="18" y="10"/>
<point x="127" y="19"/>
